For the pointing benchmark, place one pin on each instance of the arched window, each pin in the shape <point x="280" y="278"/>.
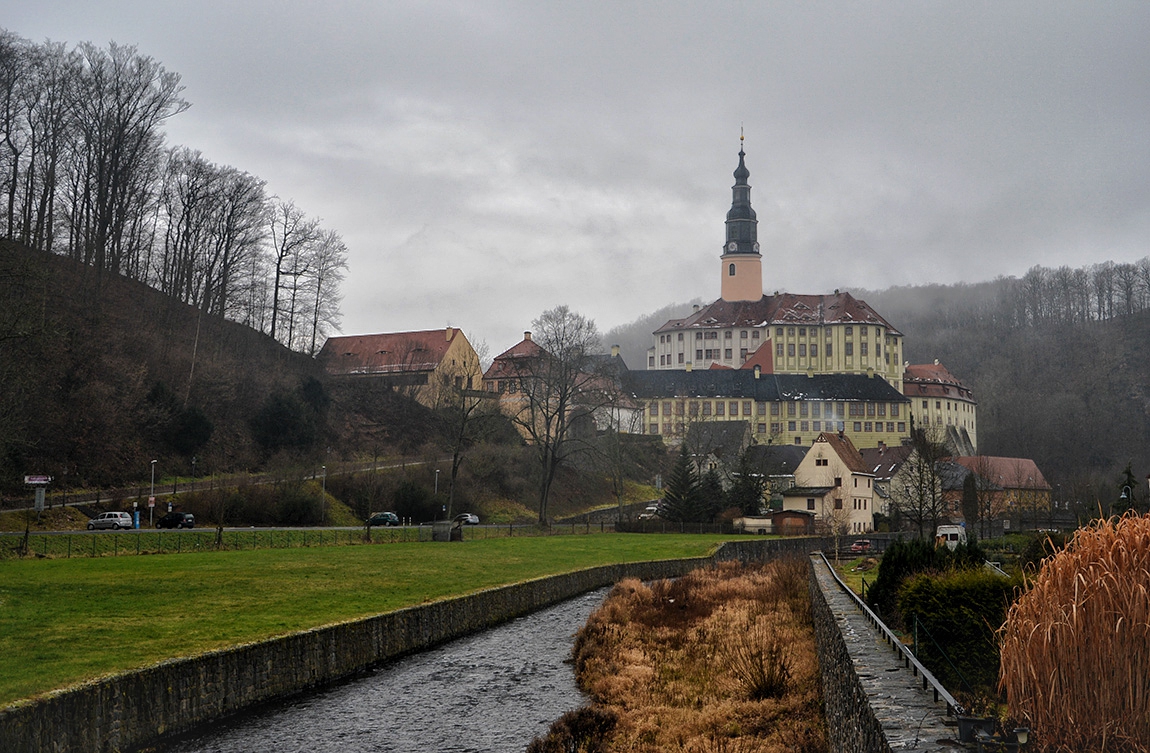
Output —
<point x="731" y="271"/>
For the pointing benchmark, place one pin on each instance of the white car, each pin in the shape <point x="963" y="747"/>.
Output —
<point x="467" y="519"/>
<point x="113" y="520"/>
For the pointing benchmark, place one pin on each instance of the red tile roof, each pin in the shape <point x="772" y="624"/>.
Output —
<point x="388" y="353"/>
<point x="1009" y="473"/>
<point x="846" y="450"/>
<point x="935" y="380"/>
<point x="506" y="364"/>
<point x="786" y="308"/>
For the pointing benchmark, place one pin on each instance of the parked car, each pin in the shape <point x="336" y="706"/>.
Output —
<point x="113" y="520"/>
<point x="383" y="519"/>
<point x="467" y="519"/>
<point x="861" y="546"/>
<point x="177" y="520"/>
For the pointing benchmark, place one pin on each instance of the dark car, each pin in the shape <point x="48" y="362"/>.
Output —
<point x="177" y="520"/>
<point x="383" y="519"/>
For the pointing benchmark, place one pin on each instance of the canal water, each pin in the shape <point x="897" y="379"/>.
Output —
<point x="491" y="692"/>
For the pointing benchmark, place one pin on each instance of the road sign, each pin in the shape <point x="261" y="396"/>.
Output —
<point x="37" y="480"/>
<point x="151" y="501"/>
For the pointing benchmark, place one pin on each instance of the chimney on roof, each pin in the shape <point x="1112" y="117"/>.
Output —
<point x="450" y="332"/>
<point x="690" y="366"/>
<point x="527" y="335"/>
<point x="810" y="373"/>
<point x="614" y="351"/>
<point x="870" y="372"/>
<point x="695" y="309"/>
<point x="758" y="371"/>
<point x="936" y="362"/>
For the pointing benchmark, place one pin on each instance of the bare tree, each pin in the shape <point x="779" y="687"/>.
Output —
<point x="917" y="488"/>
<point x="326" y="270"/>
<point x="292" y="234"/>
<point x="557" y="385"/>
<point x="464" y="411"/>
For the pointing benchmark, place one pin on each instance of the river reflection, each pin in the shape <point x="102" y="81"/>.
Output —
<point x="488" y="693"/>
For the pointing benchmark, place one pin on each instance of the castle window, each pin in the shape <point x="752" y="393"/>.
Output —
<point x="790" y="425"/>
<point x="803" y="350"/>
<point x="802" y="331"/>
<point x="790" y="331"/>
<point x="761" y="428"/>
<point x="778" y="331"/>
<point x="816" y="409"/>
<point x="727" y="354"/>
<point x="774" y="409"/>
<point x="791" y="349"/>
<point x="719" y="407"/>
<point x="680" y="358"/>
<point x="680" y="337"/>
<point x="731" y="271"/>
<point x="862" y="331"/>
<point x="706" y="407"/>
<point x="698" y="335"/>
<point x="850" y="349"/>
<point x="746" y="407"/>
<point x="778" y="349"/>
<point x="699" y="355"/>
<point x="761" y="409"/>
<point x="862" y="347"/>
<point x="743" y="354"/>
<point x="727" y="335"/>
<point x="754" y="334"/>
<point x="650" y="360"/>
<point x="849" y="331"/>
<point x="743" y="334"/>
<point x="828" y="350"/>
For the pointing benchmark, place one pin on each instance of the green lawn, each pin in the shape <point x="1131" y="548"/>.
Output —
<point x="67" y="620"/>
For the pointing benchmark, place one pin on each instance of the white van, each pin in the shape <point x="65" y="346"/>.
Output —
<point x="952" y="536"/>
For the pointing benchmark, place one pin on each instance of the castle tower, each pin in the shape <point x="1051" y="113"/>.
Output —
<point x="742" y="273"/>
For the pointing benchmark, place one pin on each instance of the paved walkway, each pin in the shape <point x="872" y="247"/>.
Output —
<point x="910" y="718"/>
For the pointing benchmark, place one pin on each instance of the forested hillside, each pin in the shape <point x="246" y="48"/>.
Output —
<point x="100" y="374"/>
<point x="85" y="173"/>
<point x="1058" y="362"/>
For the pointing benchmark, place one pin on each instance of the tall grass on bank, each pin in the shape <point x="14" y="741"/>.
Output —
<point x="722" y="659"/>
<point x="1076" y="646"/>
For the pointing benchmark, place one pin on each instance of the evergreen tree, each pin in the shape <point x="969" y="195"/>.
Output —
<point x="681" y="495"/>
<point x="711" y="497"/>
<point x="970" y="504"/>
<point x="747" y="491"/>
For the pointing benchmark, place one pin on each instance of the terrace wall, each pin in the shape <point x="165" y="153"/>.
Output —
<point x="873" y="703"/>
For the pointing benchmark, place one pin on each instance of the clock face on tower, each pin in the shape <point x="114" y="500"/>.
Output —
<point x="732" y="246"/>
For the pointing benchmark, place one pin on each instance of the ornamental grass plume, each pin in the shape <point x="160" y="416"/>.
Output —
<point x="1076" y="646"/>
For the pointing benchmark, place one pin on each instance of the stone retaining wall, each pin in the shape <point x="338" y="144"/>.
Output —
<point x="134" y="708"/>
<point x="873" y="703"/>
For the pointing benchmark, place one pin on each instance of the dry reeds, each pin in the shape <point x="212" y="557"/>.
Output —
<point x="720" y="660"/>
<point x="1076" y="646"/>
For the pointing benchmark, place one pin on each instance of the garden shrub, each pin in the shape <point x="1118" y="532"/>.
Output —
<point x="961" y="611"/>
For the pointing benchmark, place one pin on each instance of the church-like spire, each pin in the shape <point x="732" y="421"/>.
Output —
<point x="742" y="225"/>
<point x="742" y="278"/>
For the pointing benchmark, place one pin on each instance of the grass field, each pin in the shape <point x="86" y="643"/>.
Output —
<point x="63" y="621"/>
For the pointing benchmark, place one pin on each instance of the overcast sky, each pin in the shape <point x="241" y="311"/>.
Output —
<point x="486" y="161"/>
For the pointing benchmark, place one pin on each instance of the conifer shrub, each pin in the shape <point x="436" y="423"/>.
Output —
<point x="1076" y="646"/>
<point x="959" y="612"/>
<point x="903" y="559"/>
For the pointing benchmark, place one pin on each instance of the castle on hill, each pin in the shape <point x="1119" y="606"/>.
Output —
<point x="792" y="366"/>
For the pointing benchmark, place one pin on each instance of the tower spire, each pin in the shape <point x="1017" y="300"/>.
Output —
<point x="742" y="264"/>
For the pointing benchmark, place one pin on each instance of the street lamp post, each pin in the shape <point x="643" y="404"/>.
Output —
<point x="152" y="494"/>
<point x="193" y="474"/>
<point x="323" y="497"/>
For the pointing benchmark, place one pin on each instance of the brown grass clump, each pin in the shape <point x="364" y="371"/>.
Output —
<point x="722" y="659"/>
<point x="1076" y="646"/>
